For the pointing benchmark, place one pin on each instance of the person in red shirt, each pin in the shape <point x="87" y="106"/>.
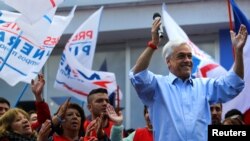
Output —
<point x="97" y="104"/>
<point x="140" y="134"/>
<point x="146" y="133"/>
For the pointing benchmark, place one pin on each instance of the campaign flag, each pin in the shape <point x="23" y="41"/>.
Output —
<point x="20" y="59"/>
<point x="83" y="42"/>
<point x="241" y="102"/>
<point x="33" y="10"/>
<point x="59" y="24"/>
<point x="77" y="80"/>
<point x="74" y="73"/>
<point x="33" y="31"/>
<point x="203" y="64"/>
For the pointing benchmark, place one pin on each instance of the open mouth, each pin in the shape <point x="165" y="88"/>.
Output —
<point x="26" y="126"/>
<point x="75" y="123"/>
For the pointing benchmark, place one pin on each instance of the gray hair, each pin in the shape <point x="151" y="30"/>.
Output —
<point x="169" y="47"/>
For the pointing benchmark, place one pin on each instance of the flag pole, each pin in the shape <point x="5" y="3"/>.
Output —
<point x="230" y="15"/>
<point x="118" y="100"/>
<point x="230" y="20"/>
<point x="21" y="94"/>
<point x="82" y="104"/>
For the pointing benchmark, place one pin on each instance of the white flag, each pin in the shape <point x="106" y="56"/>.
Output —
<point x="20" y="59"/>
<point x="33" y="10"/>
<point x="74" y="78"/>
<point x="83" y="42"/>
<point x="74" y="74"/>
<point x="38" y="31"/>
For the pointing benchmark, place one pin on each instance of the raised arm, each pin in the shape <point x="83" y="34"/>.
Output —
<point x="238" y="42"/>
<point x="117" y="119"/>
<point x="59" y="116"/>
<point x="117" y="128"/>
<point x="44" y="132"/>
<point x="143" y="61"/>
<point x="42" y="108"/>
<point x="37" y="87"/>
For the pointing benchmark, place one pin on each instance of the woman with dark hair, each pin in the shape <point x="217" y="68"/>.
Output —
<point x="69" y="120"/>
<point x="71" y="125"/>
<point x="233" y="117"/>
<point x="233" y="121"/>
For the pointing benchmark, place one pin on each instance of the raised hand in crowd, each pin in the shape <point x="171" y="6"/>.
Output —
<point x="37" y="87"/>
<point x="59" y="116"/>
<point x="44" y="132"/>
<point x="117" y="119"/>
<point x="91" y="127"/>
<point x="99" y="127"/>
<point x="42" y="112"/>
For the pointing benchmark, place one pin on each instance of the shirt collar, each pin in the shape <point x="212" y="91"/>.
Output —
<point x="174" y="78"/>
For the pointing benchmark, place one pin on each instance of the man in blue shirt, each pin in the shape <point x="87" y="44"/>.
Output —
<point x="179" y="105"/>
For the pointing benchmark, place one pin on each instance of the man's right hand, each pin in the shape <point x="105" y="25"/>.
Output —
<point x="154" y="31"/>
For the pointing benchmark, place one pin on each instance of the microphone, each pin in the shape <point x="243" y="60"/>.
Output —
<point x="160" y="30"/>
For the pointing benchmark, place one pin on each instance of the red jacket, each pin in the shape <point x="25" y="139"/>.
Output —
<point x="143" y="134"/>
<point x="43" y="113"/>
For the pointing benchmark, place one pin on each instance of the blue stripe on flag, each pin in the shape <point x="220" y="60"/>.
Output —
<point x="1" y="21"/>
<point x="226" y="55"/>
<point x="47" y="18"/>
<point x="13" y="68"/>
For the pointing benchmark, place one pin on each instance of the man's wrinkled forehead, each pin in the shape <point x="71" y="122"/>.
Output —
<point x="182" y="49"/>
